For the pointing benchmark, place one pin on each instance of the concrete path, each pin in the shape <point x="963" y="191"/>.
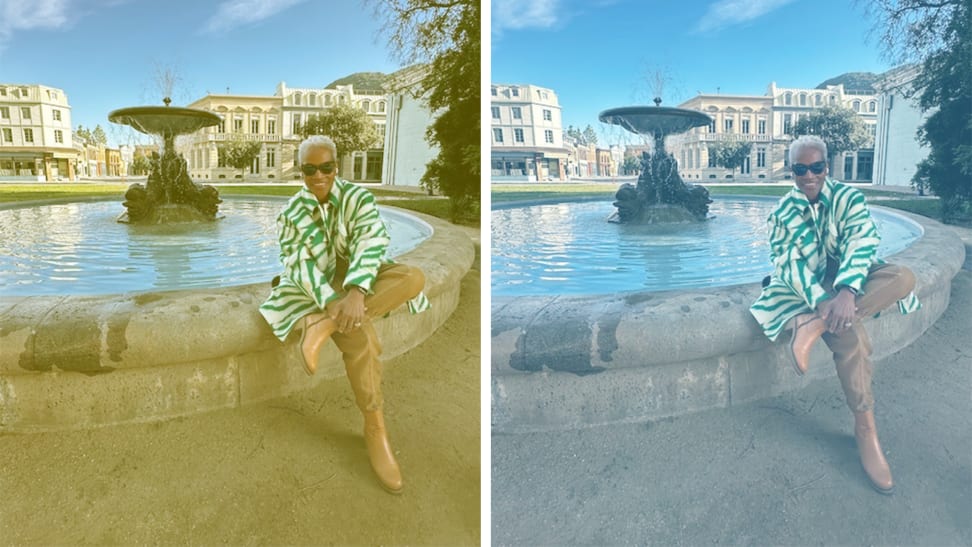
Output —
<point x="781" y="471"/>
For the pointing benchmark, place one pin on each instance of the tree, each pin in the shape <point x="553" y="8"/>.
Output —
<point x="590" y="136"/>
<point x="350" y="128"/>
<point x="140" y="165"/>
<point x="239" y="153"/>
<point x="575" y="134"/>
<point x="99" y="135"/>
<point x="446" y="34"/>
<point x="631" y="165"/>
<point x="937" y="35"/>
<point x="841" y="128"/>
<point x="731" y="154"/>
<point x="82" y="133"/>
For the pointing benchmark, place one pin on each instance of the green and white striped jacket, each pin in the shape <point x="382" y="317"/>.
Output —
<point x="312" y="239"/>
<point x="802" y="237"/>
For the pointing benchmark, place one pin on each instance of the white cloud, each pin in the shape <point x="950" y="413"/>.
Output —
<point x="17" y="15"/>
<point x="726" y="13"/>
<point x="522" y="14"/>
<point x="236" y="13"/>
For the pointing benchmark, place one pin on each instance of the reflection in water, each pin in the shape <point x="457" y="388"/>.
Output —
<point x="78" y="248"/>
<point x="569" y="248"/>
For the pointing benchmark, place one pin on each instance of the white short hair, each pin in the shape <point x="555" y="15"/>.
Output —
<point x="807" y="141"/>
<point x="316" y="141"/>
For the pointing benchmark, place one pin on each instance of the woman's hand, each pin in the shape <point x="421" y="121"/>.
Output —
<point x="838" y="312"/>
<point x="349" y="311"/>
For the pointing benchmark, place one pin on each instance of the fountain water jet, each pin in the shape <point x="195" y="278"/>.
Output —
<point x="169" y="195"/>
<point x="660" y="195"/>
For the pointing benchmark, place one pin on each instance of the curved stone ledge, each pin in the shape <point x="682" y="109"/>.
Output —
<point x="71" y="362"/>
<point x="567" y="362"/>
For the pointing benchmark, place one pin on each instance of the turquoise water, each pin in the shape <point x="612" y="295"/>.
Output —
<point x="78" y="248"/>
<point x="570" y="248"/>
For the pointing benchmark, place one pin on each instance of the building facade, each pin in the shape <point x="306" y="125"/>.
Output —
<point x="406" y="150"/>
<point x="35" y="134"/>
<point x="766" y="122"/>
<point x="897" y="151"/>
<point x="275" y="122"/>
<point x="527" y="134"/>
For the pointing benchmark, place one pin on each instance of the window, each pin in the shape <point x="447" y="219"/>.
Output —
<point x="25" y="112"/>
<point x="221" y="158"/>
<point x="787" y="123"/>
<point x="872" y="106"/>
<point x="3" y="92"/>
<point x="366" y="105"/>
<point x="745" y="127"/>
<point x="254" y="126"/>
<point x="5" y="112"/>
<point x="28" y="135"/>
<point x="24" y="91"/>
<point x="727" y="125"/>
<point x="57" y="114"/>
<point x="803" y="99"/>
<point x="298" y="99"/>
<point x="495" y="111"/>
<point x="312" y="100"/>
<point x="271" y="157"/>
<point x="760" y="157"/>
<point x="221" y="128"/>
<point x="272" y="126"/>
<point x="516" y="92"/>
<point x="788" y="99"/>
<point x="857" y="106"/>
<point x="58" y="136"/>
<point x="7" y="134"/>
<point x="492" y="91"/>
<point x="817" y="100"/>
<point x="712" y="126"/>
<point x="547" y="115"/>
<point x="498" y="135"/>
<point x="548" y="136"/>
<point x="381" y="106"/>
<point x="518" y="135"/>
<point x="712" y="159"/>
<point x="761" y="127"/>
<point x="238" y="125"/>
<point x="517" y="114"/>
<point x="296" y="126"/>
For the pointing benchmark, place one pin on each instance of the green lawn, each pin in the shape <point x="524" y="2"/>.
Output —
<point x="436" y="206"/>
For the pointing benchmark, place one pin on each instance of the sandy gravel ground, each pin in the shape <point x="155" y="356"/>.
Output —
<point x="289" y="471"/>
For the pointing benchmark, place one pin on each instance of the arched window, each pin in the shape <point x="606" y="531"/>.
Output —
<point x="366" y="105"/>
<point x="803" y="99"/>
<point x="381" y="106"/>
<point x="788" y="99"/>
<point x="297" y="99"/>
<point x="857" y="106"/>
<point x="872" y="106"/>
<point x="311" y="99"/>
<point x="327" y="100"/>
<point x="818" y="100"/>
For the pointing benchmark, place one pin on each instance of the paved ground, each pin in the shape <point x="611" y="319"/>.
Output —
<point x="291" y="471"/>
<point x="778" y="471"/>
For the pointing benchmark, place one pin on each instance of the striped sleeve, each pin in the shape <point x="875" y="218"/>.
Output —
<point x="367" y="239"/>
<point x="792" y="242"/>
<point x="859" y="239"/>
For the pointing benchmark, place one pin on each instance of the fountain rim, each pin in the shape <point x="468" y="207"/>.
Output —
<point x="616" y="116"/>
<point x="202" y="118"/>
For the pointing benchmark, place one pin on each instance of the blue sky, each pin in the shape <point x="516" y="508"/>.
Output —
<point x="105" y="54"/>
<point x="599" y="54"/>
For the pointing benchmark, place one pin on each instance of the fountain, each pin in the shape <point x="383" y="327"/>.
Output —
<point x="169" y="195"/>
<point x="660" y="195"/>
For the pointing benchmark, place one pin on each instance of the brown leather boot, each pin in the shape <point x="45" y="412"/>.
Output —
<point x="806" y="329"/>
<point x="380" y="452"/>
<point x="872" y="458"/>
<point x="317" y="329"/>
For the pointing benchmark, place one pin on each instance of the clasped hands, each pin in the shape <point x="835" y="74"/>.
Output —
<point x="348" y="311"/>
<point x="838" y="313"/>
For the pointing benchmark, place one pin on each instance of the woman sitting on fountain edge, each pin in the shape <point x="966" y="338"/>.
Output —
<point x="336" y="279"/>
<point x="826" y="279"/>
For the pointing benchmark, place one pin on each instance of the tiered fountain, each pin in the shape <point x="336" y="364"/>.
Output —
<point x="169" y="195"/>
<point x="660" y="196"/>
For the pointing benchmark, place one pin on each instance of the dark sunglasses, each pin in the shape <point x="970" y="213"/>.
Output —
<point x="816" y="168"/>
<point x="308" y="169"/>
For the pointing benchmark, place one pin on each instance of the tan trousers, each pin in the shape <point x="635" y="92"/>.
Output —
<point x="394" y="285"/>
<point x="886" y="284"/>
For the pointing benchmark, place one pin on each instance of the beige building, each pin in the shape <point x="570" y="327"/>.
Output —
<point x="526" y="134"/>
<point x="275" y="121"/>
<point x="35" y="134"/>
<point x="766" y="122"/>
<point x="406" y="150"/>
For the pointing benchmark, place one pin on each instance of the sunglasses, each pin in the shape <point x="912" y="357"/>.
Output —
<point x="308" y="169"/>
<point x="816" y="168"/>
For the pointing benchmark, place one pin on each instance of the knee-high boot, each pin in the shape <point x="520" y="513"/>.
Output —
<point x="380" y="453"/>
<point x="872" y="457"/>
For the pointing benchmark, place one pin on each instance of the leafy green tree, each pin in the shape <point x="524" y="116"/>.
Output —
<point x="631" y="165"/>
<point x="140" y="165"/>
<point x="239" y="153"/>
<point x="841" y="128"/>
<point x="82" y="133"/>
<point x="730" y="154"/>
<point x="575" y="134"/>
<point x="446" y="35"/>
<point x="938" y="36"/>
<point x="350" y="128"/>
<point x="590" y="136"/>
<point x="99" y="135"/>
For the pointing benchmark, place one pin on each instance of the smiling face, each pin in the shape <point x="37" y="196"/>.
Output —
<point x="810" y="183"/>
<point x="319" y="184"/>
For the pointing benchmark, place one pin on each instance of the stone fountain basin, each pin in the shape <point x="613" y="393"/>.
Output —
<point x="74" y="362"/>
<point x="569" y="362"/>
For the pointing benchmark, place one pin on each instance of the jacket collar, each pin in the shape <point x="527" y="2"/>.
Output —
<point x="826" y="195"/>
